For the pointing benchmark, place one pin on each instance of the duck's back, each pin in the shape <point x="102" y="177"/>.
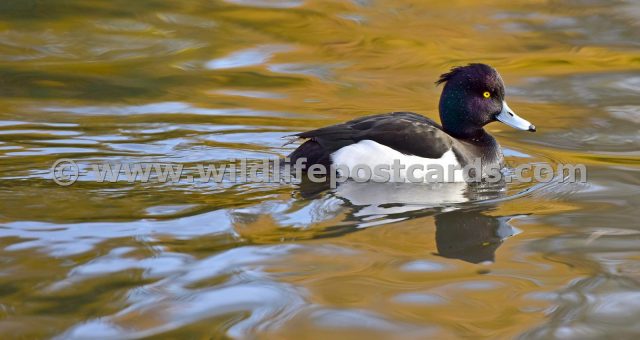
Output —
<point x="407" y="133"/>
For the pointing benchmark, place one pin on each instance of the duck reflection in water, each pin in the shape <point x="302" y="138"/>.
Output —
<point x="465" y="228"/>
<point x="471" y="235"/>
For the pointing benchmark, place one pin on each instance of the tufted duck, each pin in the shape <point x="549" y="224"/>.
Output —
<point x="472" y="97"/>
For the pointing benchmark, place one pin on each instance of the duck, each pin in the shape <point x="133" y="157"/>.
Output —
<point x="472" y="96"/>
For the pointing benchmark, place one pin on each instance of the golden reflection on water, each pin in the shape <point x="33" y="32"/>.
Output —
<point x="210" y="81"/>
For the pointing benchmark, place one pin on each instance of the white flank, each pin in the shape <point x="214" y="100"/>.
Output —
<point x="371" y="154"/>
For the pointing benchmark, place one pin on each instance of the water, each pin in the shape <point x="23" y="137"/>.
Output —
<point x="207" y="81"/>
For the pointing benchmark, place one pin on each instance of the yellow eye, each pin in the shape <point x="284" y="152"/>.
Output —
<point x="486" y="94"/>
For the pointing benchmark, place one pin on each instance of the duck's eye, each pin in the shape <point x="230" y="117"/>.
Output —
<point x="486" y="94"/>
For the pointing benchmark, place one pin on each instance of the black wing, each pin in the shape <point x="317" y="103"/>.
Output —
<point x="407" y="132"/>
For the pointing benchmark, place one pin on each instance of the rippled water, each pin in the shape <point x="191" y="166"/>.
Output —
<point x="209" y="81"/>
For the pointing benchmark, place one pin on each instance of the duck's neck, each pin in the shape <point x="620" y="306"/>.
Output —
<point x="471" y="135"/>
<point x="478" y="137"/>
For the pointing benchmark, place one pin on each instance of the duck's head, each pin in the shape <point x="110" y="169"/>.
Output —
<point x="472" y="97"/>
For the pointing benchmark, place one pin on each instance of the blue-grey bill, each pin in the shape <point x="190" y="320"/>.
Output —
<point x="509" y="117"/>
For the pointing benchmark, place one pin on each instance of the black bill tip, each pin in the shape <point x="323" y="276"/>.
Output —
<point x="532" y="128"/>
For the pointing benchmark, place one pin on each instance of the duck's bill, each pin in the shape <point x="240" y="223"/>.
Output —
<point x="508" y="117"/>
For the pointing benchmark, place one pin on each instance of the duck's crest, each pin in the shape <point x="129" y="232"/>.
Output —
<point x="445" y="77"/>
